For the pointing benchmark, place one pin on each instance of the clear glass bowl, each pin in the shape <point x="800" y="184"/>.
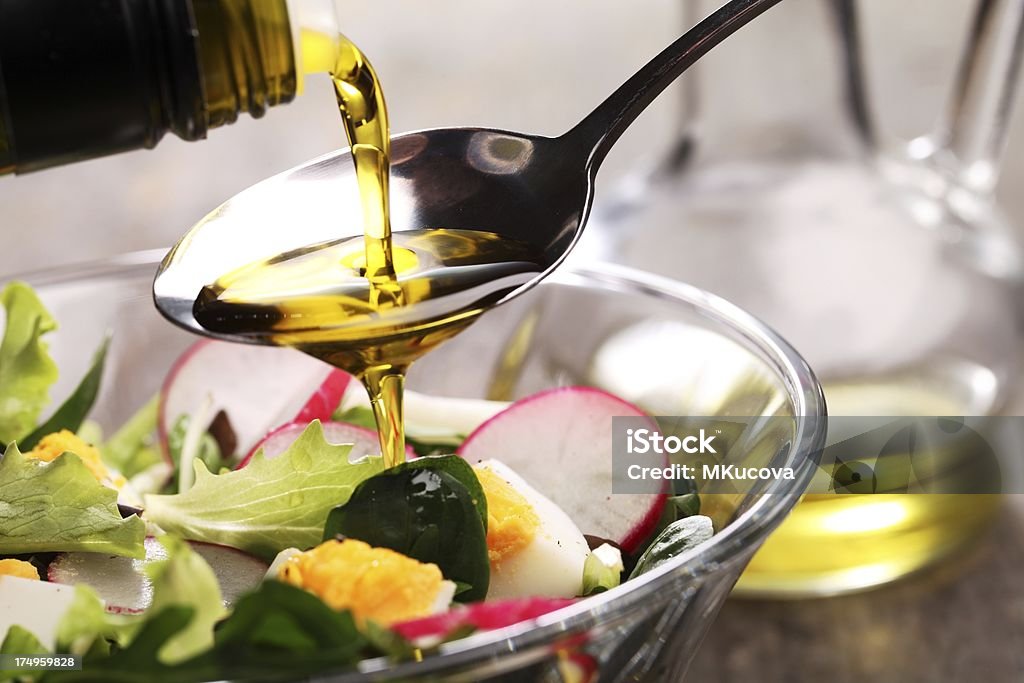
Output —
<point x="593" y="325"/>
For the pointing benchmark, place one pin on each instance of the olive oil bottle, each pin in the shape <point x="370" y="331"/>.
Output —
<point x="89" y="78"/>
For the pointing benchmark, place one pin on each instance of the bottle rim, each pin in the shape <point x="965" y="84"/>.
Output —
<point x="316" y="15"/>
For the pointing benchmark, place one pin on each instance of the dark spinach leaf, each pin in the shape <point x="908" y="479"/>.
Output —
<point x="686" y="505"/>
<point x="276" y="631"/>
<point x="138" y="661"/>
<point x="423" y="512"/>
<point x="461" y="470"/>
<point x="74" y="410"/>
<point x="675" y="539"/>
<point x="279" y="619"/>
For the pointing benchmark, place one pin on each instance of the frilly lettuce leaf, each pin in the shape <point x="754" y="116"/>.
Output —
<point x="185" y="579"/>
<point x="26" y="369"/>
<point x="274" y="632"/>
<point x="19" y="641"/>
<point x="131" y="448"/>
<point x="76" y="407"/>
<point x="269" y="505"/>
<point x="59" y="506"/>
<point x="183" y="585"/>
<point x="86" y="626"/>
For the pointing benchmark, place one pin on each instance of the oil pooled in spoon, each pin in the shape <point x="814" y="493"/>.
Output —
<point x="370" y="305"/>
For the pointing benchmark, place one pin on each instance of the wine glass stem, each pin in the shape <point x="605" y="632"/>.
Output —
<point x="974" y="126"/>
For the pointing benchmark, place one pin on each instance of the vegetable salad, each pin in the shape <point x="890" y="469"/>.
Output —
<point x="223" y="532"/>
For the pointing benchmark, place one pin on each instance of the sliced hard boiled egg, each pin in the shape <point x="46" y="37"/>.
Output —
<point x="19" y="568"/>
<point x="535" y="549"/>
<point x="55" y="444"/>
<point x="52" y="446"/>
<point x="376" y="584"/>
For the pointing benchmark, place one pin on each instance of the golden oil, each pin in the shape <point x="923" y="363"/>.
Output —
<point x="319" y="300"/>
<point x="369" y="305"/>
<point x="839" y="543"/>
<point x="246" y="57"/>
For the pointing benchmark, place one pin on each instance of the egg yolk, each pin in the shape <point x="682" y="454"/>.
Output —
<point x="52" y="446"/>
<point x="374" y="583"/>
<point x="512" y="522"/>
<point x="19" y="568"/>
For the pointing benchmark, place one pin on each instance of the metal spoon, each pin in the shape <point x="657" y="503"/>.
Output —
<point x="526" y="187"/>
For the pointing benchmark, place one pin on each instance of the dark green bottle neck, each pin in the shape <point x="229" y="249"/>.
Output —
<point x="246" y="57"/>
<point x="90" y="78"/>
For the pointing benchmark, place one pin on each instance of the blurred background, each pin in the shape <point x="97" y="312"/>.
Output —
<point x="530" y="66"/>
<point x="538" y="66"/>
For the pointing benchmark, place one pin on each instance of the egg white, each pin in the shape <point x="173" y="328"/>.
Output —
<point x="552" y="564"/>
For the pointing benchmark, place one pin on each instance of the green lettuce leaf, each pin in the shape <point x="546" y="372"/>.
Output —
<point x="59" y="506"/>
<point x="26" y="369"/>
<point x="139" y="659"/>
<point x="283" y="628"/>
<point x="269" y="505"/>
<point x="131" y="448"/>
<point x="205" y="450"/>
<point x="184" y="586"/>
<point x="602" y="571"/>
<point x="435" y="444"/>
<point x="86" y="627"/>
<point x="359" y="416"/>
<point x="185" y="579"/>
<point x="277" y="631"/>
<point x="19" y="641"/>
<point x="73" y="411"/>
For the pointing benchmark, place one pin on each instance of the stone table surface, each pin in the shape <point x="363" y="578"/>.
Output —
<point x="960" y="621"/>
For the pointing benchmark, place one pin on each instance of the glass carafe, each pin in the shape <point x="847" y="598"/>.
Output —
<point x="886" y="263"/>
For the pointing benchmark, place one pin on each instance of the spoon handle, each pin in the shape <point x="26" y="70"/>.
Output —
<point x="596" y="134"/>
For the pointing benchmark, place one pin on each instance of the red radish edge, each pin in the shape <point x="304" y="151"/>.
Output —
<point x="298" y="427"/>
<point x="485" y="616"/>
<point x="324" y="401"/>
<point x="162" y="431"/>
<point x="319" y="406"/>
<point x="646" y="525"/>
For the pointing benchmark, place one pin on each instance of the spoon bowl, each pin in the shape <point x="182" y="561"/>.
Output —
<point x="455" y="178"/>
<point x="533" y="189"/>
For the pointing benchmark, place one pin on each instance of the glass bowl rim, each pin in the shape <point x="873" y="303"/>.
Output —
<point x="748" y="528"/>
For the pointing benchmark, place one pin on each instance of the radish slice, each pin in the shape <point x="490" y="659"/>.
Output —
<point x="560" y="441"/>
<point x="258" y="386"/>
<point x="122" y="584"/>
<point x="364" y="441"/>
<point x="322" y="404"/>
<point x="483" y="615"/>
<point x="434" y="419"/>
